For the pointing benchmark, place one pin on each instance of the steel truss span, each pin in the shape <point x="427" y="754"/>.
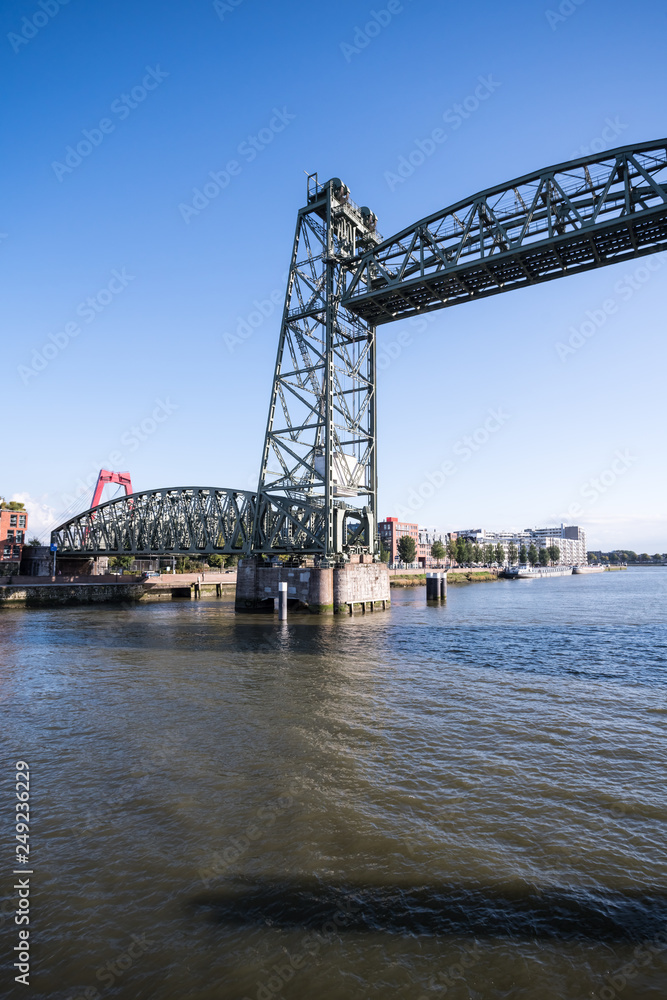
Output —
<point x="344" y="280"/>
<point x="191" y="520"/>
<point x="565" y="219"/>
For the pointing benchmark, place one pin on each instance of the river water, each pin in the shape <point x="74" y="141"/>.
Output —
<point x="464" y="801"/>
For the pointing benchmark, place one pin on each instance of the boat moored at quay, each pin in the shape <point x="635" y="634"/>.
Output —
<point x="536" y="572"/>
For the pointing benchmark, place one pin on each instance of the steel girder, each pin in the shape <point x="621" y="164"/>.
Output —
<point x="565" y="219"/>
<point x="191" y="520"/>
<point x="172" y="521"/>
<point x="320" y="437"/>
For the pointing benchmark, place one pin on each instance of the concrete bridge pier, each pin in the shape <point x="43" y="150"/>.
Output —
<point x="343" y="589"/>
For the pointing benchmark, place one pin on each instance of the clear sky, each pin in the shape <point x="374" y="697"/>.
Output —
<point x="150" y="375"/>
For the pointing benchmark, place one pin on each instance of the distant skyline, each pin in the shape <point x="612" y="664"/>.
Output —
<point x="156" y="167"/>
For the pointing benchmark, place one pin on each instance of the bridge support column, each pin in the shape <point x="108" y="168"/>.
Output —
<point x="311" y="588"/>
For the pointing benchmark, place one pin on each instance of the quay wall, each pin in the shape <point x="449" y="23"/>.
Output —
<point x="50" y="594"/>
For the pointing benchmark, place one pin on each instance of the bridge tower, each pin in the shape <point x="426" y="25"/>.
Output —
<point x="317" y="488"/>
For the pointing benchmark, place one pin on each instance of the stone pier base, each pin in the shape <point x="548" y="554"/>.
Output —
<point x="355" y="588"/>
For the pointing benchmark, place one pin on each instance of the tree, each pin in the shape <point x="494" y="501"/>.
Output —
<point x="554" y="553"/>
<point x="533" y="557"/>
<point x="460" y="550"/>
<point x="438" y="551"/>
<point x="500" y="554"/>
<point x="477" y="553"/>
<point x="384" y="553"/>
<point x="512" y="553"/>
<point x="407" y="549"/>
<point x="543" y="557"/>
<point x="34" y="541"/>
<point x="216" y="560"/>
<point x="468" y="548"/>
<point x="121" y="562"/>
<point x="451" y="550"/>
<point x="489" y="553"/>
<point x="523" y="555"/>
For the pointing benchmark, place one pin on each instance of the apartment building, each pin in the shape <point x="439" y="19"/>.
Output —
<point x="13" y="528"/>
<point x="570" y="540"/>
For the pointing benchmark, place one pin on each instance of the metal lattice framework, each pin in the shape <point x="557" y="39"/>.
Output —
<point x="320" y="438"/>
<point x="200" y="520"/>
<point x="559" y="221"/>
<point x="317" y="489"/>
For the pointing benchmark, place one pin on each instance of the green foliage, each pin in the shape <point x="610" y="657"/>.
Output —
<point x="523" y="555"/>
<point x="477" y="554"/>
<point x="500" y="554"/>
<point x="216" y="560"/>
<point x="533" y="556"/>
<point x="438" y="551"/>
<point x="489" y="553"/>
<point x="34" y="541"/>
<point x="121" y="562"/>
<point x="384" y="554"/>
<point x="554" y="553"/>
<point x="12" y="505"/>
<point x="543" y="557"/>
<point x="407" y="549"/>
<point x="512" y="553"/>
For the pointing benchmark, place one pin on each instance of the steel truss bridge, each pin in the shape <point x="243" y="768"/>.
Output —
<point x="317" y="489"/>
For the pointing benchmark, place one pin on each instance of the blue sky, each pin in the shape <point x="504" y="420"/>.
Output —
<point x="147" y="377"/>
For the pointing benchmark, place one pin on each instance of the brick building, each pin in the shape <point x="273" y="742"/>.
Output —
<point x="13" y="528"/>
<point x="391" y="529"/>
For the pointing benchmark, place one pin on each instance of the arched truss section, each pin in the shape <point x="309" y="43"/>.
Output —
<point x="562" y="220"/>
<point x="190" y="520"/>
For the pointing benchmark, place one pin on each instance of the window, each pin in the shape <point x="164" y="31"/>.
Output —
<point x="19" y="536"/>
<point x="10" y="536"/>
<point x="12" y="520"/>
<point x="21" y="520"/>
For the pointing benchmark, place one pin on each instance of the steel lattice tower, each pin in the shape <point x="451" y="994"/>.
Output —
<point x="319" y="457"/>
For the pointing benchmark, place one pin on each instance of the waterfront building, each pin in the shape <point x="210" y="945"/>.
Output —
<point x="13" y="528"/>
<point x="391" y="529"/>
<point x="570" y="540"/>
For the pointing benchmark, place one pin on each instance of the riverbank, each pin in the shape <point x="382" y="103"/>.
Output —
<point x="453" y="576"/>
